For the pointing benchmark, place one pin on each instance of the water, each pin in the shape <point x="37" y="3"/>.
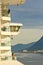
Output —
<point x="30" y="58"/>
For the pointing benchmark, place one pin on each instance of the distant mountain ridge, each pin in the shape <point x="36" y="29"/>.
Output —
<point x="19" y="47"/>
<point x="31" y="47"/>
<point x="37" y="46"/>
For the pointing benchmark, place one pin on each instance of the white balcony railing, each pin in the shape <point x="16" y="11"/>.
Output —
<point x="5" y="48"/>
<point x="6" y="41"/>
<point x="16" y="24"/>
<point x="9" y="33"/>
<point x="6" y="18"/>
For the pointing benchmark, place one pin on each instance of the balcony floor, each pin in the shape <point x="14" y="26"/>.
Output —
<point x="10" y="62"/>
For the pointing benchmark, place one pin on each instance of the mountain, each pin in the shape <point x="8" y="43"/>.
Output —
<point x="19" y="47"/>
<point x="31" y="47"/>
<point x="37" y="46"/>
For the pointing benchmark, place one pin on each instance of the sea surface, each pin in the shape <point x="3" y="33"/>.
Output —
<point x="30" y="58"/>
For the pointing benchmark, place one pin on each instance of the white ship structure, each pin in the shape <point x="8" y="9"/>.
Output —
<point x="7" y="29"/>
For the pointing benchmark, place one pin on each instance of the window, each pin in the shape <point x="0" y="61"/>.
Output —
<point x="14" y="28"/>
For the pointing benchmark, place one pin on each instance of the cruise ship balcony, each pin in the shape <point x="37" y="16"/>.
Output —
<point x="6" y="18"/>
<point x="13" y="2"/>
<point x="9" y="33"/>
<point x="12" y="29"/>
<point x="5" y="48"/>
<point x="6" y="55"/>
<point x="5" y="41"/>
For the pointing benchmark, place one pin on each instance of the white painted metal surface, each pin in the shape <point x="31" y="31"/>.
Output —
<point x="5" y="47"/>
<point x="9" y="33"/>
<point x="16" y="24"/>
<point x="6" y="18"/>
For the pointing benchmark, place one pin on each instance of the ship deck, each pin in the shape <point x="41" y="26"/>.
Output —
<point x="10" y="62"/>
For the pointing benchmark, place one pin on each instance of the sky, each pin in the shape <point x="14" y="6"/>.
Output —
<point x="30" y="14"/>
<point x="27" y="36"/>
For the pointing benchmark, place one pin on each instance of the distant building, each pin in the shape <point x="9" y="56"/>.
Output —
<point x="25" y="51"/>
